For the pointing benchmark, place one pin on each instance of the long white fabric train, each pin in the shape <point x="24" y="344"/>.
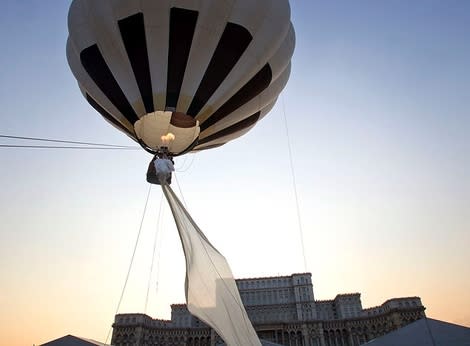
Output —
<point x="211" y="291"/>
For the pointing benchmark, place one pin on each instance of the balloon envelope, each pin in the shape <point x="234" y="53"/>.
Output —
<point x="212" y="67"/>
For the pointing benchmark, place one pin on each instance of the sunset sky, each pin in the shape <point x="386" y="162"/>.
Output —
<point x="378" y="117"/>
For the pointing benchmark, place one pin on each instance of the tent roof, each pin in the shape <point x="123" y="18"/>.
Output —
<point x="70" y="340"/>
<point x="426" y="332"/>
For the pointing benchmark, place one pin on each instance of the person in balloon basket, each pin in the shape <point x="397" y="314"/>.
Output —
<point x="159" y="171"/>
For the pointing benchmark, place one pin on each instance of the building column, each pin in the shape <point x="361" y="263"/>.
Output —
<point x="322" y="335"/>
<point x="139" y="335"/>
<point x="350" y="337"/>
<point x="305" y="335"/>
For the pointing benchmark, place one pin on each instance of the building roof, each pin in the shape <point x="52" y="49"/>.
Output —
<point x="70" y="340"/>
<point x="426" y="332"/>
<point x="274" y="277"/>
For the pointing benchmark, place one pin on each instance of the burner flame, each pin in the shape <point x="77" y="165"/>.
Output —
<point x="166" y="139"/>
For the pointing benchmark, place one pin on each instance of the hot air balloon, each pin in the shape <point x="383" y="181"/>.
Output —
<point x="178" y="76"/>
<point x="202" y="71"/>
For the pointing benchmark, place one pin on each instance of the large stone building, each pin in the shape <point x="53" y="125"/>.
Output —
<point x="283" y="310"/>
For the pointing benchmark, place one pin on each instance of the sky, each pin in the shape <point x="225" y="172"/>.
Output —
<point x="378" y="124"/>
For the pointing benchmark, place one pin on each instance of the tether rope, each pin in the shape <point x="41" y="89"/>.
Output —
<point x="184" y="169"/>
<point x="181" y="192"/>
<point x="132" y="259"/>
<point x="294" y="183"/>
<point x="153" y="253"/>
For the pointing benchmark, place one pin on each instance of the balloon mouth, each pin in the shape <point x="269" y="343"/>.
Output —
<point x="174" y="131"/>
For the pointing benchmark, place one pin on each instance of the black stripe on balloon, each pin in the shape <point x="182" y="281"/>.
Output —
<point x="244" y="124"/>
<point x="182" y="27"/>
<point x="108" y="116"/>
<point x="233" y="43"/>
<point x="250" y="90"/>
<point x="133" y="36"/>
<point x="96" y="67"/>
<point x="208" y="147"/>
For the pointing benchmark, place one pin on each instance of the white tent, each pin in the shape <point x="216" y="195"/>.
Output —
<point x="426" y="332"/>
<point x="70" y="340"/>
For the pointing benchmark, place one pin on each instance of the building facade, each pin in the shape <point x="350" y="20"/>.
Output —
<point x="283" y="310"/>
